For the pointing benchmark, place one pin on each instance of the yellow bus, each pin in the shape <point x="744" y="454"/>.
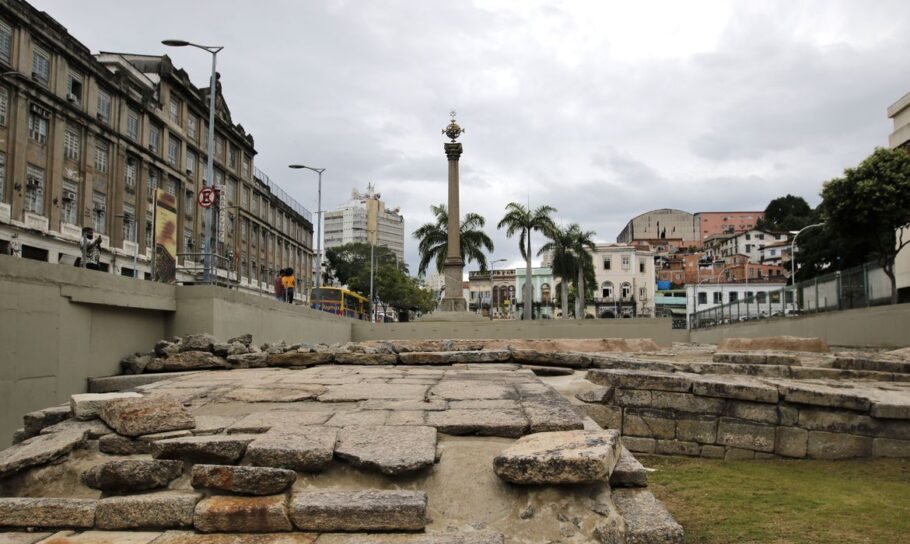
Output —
<point x="338" y="301"/>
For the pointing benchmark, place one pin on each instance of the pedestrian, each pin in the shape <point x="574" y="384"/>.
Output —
<point x="289" y="282"/>
<point x="91" y="249"/>
<point x="279" y="287"/>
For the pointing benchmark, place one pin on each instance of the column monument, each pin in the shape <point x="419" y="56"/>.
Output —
<point x="454" y="264"/>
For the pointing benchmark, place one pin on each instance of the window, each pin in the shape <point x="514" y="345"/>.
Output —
<point x="101" y="157"/>
<point x="173" y="151"/>
<point x="191" y="163"/>
<point x="245" y="167"/>
<point x="34" y="189"/>
<point x="129" y="222"/>
<point x="219" y="147"/>
<point x="37" y="125"/>
<point x="72" y="143"/>
<point x="74" y="88"/>
<point x="2" y="173"/>
<point x="749" y="295"/>
<point x="244" y="227"/>
<point x="718" y="297"/>
<point x="626" y="290"/>
<point x="171" y="186"/>
<point x="41" y="65"/>
<point x="154" y="181"/>
<point x="245" y="198"/>
<point x="606" y="289"/>
<point x="6" y="42"/>
<point x="734" y="296"/>
<point x="131" y="168"/>
<point x="219" y="179"/>
<point x="232" y="158"/>
<point x="132" y="124"/>
<point x="607" y="263"/>
<point x="189" y="203"/>
<point x="174" y="109"/>
<point x="641" y="266"/>
<point x="154" y="139"/>
<point x="99" y="205"/>
<point x="4" y="105"/>
<point x="192" y="127"/>
<point x="626" y="262"/>
<point x="702" y="298"/>
<point x="231" y="191"/>
<point x="748" y="236"/>
<point x="761" y="297"/>
<point x="148" y="233"/>
<point x="188" y="240"/>
<point x="104" y="107"/>
<point x="70" y="201"/>
<point x="642" y="293"/>
<point x="255" y="201"/>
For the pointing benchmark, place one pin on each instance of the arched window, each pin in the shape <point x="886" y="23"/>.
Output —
<point x="626" y="290"/>
<point x="606" y="289"/>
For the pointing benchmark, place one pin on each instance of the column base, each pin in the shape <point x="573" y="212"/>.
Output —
<point x="453" y="305"/>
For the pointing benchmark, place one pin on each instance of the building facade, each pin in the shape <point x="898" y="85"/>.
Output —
<point x="543" y="290"/>
<point x="710" y="224"/>
<point x="365" y="219"/>
<point x="899" y="112"/>
<point x="86" y="140"/>
<point x="673" y="227"/>
<point x="752" y="300"/>
<point x="748" y="243"/>
<point x="625" y="282"/>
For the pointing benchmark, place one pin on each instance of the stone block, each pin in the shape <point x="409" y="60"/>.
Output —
<point x="282" y="420"/>
<point x="351" y="392"/>
<point x="712" y="452"/>
<point x="508" y="423"/>
<point x="787" y="416"/>
<point x="550" y="412"/>
<point x="39" y="450"/>
<point x="639" y="445"/>
<point x="217" y="449"/>
<point x="824" y="445"/>
<point x="889" y="447"/>
<point x="678" y="447"/>
<point x="191" y="360"/>
<point x="227" y="514"/>
<point x="148" y="415"/>
<point x="93" y="428"/>
<point x="358" y="417"/>
<point x="297" y="358"/>
<point x="742" y="434"/>
<point x="566" y="457"/>
<point x="305" y="449"/>
<point x="276" y="393"/>
<point x="774" y="343"/>
<point x="734" y="387"/>
<point x="686" y="402"/>
<point x="243" y="480"/>
<point x="791" y="442"/>
<point x="823" y="395"/>
<point x="390" y="450"/>
<point x="752" y="411"/>
<point x="648" y="423"/>
<point x="132" y="474"/>
<point x="628" y="472"/>
<point x="694" y="428"/>
<point x="738" y="454"/>
<point x="114" y="444"/>
<point x="599" y="394"/>
<point x="608" y="417"/>
<point x="890" y="404"/>
<point x="820" y="419"/>
<point x="372" y="510"/>
<point x="640" y="379"/>
<point x="164" y="510"/>
<point x="632" y="397"/>
<point x="47" y="513"/>
<point x="34" y="422"/>
<point x="87" y="406"/>
<point x="646" y="519"/>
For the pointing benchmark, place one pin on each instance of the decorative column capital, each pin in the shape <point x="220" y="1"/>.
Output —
<point x="453" y="150"/>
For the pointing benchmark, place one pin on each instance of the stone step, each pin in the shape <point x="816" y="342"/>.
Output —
<point x="429" y="538"/>
<point x="628" y="472"/>
<point x="647" y="520"/>
<point x="872" y="363"/>
<point x="372" y="510"/>
<point x="111" y="384"/>
<point x="47" y="513"/>
<point x="564" y="457"/>
<point x="756" y="358"/>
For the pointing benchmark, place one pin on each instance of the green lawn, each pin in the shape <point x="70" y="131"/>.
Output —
<point x="785" y="501"/>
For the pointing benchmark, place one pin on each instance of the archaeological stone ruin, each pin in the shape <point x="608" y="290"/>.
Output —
<point x="201" y="440"/>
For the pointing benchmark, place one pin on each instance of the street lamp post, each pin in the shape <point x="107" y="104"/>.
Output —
<point x="492" y="266"/>
<point x="209" y="179"/>
<point x="793" y="250"/>
<point x="318" y="171"/>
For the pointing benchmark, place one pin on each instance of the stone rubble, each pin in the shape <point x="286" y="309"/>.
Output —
<point x="243" y="480"/>
<point x="305" y="449"/>
<point x="132" y="474"/>
<point x="138" y="416"/>
<point x="557" y="458"/>
<point x="219" y="449"/>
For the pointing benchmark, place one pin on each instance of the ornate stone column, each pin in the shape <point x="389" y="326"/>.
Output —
<point x="454" y="264"/>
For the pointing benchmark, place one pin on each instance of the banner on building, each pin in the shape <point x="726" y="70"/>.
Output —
<point x="165" y="236"/>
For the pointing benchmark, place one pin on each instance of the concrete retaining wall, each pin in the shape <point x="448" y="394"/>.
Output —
<point x="879" y="326"/>
<point x="660" y="330"/>
<point x="737" y="418"/>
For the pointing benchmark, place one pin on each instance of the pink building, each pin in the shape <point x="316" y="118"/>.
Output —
<point x="713" y="223"/>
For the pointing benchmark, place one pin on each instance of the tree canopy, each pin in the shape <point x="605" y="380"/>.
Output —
<point x="434" y="240"/>
<point x="786" y="213"/>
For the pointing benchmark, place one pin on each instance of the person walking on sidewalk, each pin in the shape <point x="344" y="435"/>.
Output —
<point x="289" y="282"/>
<point x="279" y="287"/>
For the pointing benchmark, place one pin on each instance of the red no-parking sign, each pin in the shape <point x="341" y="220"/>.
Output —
<point x="206" y="197"/>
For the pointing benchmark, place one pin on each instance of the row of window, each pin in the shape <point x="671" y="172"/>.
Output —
<point x="626" y="263"/>
<point x="606" y="290"/>
<point x="759" y="297"/>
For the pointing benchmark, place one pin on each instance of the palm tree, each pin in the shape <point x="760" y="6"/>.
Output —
<point x="523" y="220"/>
<point x="582" y="245"/>
<point x="564" y="261"/>
<point x="434" y="239"/>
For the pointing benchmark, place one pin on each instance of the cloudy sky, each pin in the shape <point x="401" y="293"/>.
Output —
<point x="601" y="109"/>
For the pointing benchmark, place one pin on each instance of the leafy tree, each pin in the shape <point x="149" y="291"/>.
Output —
<point x="434" y="240"/>
<point x="786" y="213"/>
<point x="869" y="208"/>
<point x="564" y="261"/>
<point x="348" y="260"/>
<point x="519" y="219"/>
<point x="583" y="247"/>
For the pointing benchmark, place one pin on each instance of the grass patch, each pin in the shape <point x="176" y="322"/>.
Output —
<point x="785" y="501"/>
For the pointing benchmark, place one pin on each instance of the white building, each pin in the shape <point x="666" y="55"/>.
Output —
<point x="365" y="219"/>
<point x="750" y="299"/>
<point x="626" y="282"/>
<point x="899" y="112"/>
<point x="749" y="243"/>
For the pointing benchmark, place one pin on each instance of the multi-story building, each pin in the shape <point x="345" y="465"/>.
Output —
<point x="749" y="243"/>
<point x="365" y="219"/>
<point x="751" y="300"/>
<point x="899" y="112"/>
<point x="708" y="224"/>
<point x="543" y="290"/>
<point x="86" y="139"/>
<point x="672" y="228"/>
<point x="625" y="281"/>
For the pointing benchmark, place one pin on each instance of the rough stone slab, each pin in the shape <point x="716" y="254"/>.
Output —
<point x="678" y="447"/>
<point x="453" y="357"/>
<point x="372" y="510"/>
<point x="186" y="537"/>
<point x="566" y="457"/>
<point x="753" y="411"/>
<point x="281" y="420"/>
<point x="102" y="537"/>
<point x="426" y="406"/>
<point x="219" y="449"/>
<point x="132" y="474"/>
<point x="297" y="358"/>
<point x="112" y="384"/>
<point x="823" y="445"/>
<point x="820" y="419"/>
<point x="686" y="402"/>
<point x="552" y="358"/>
<point x="86" y="406"/>
<point x="889" y="447"/>
<point x="628" y="472"/>
<point x="347" y="358"/>
<point x="93" y="428"/>
<point x="649" y="423"/>
<point x="696" y="428"/>
<point x="212" y="424"/>
<point x="39" y="450"/>
<point x="242" y="514"/>
<point x="551" y="412"/>
<point x="641" y="379"/>
<point x="742" y="434"/>
<point x="647" y="520"/>
<point x="734" y="387"/>
<point x="366" y="391"/>
<point x="257" y="359"/>
<point x="165" y="510"/>
<point x="639" y="444"/>
<point x="34" y="422"/>
<point x="358" y="417"/>
<point x="306" y="449"/>
<point x="428" y="538"/>
<point x="276" y="393"/>
<point x="791" y="442"/>
<point x="822" y="395"/>
<point x="509" y="423"/>
<point x="147" y="415"/>
<point x="599" y="395"/>
<point x="632" y="397"/>
<point x="890" y="404"/>
<point x="10" y="537"/>
<point x="47" y="513"/>
<point x="390" y="450"/>
<point x="607" y="417"/>
<point x="243" y="480"/>
<point x="774" y="343"/>
<point x="192" y="360"/>
<point x="712" y="452"/>
<point x="472" y="390"/>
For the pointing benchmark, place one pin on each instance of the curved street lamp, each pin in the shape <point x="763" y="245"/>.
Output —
<point x="319" y="172"/>
<point x="796" y="234"/>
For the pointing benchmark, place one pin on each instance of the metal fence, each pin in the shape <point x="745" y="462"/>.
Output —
<point x="857" y="287"/>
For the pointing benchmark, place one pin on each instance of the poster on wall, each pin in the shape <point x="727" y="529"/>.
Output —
<point x="165" y="236"/>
